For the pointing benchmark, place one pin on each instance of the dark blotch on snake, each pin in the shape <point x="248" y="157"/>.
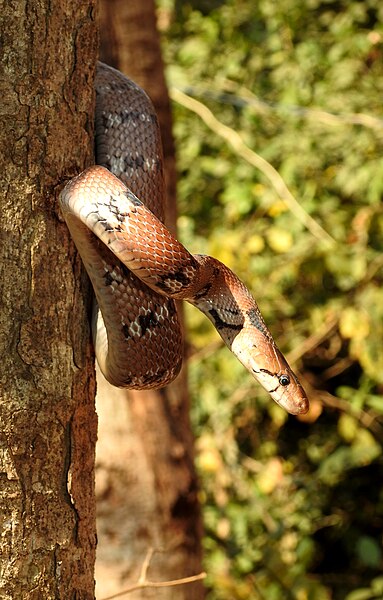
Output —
<point x="125" y="330"/>
<point x="132" y="198"/>
<point x="221" y="324"/>
<point x="165" y="283"/>
<point x="233" y="311"/>
<point x="108" y="227"/>
<point x="120" y="216"/>
<point x="257" y="321"/>
<point x="203" y="291"/>
<point x="147" y="322"/>
<point x="153" y="378"/>
<point x="171" y="306"/>
<point x="179" y="276"/>
<point x="163" y="286"/>
<point x="108" y="278"/>
<point x="108" y="118"/>
<point x="134" y="162"/>
<point x="138" y="162"/>
<point x="136" y="115"/>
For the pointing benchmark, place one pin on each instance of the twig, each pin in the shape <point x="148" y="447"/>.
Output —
<point x="368" y="418"/>
<point x="158" y="584"/>
<point x="143" y="583"/>
<point x="234" y="139"/>
<point x="373" y="268"/>
<point x="320" y="115"/>
<point x="336" y="369"/>
<point x="313" y="340"/>
<point x="145" y="566"/>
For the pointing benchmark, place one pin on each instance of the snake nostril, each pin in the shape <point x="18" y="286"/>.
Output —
<point x="284" y="380"/>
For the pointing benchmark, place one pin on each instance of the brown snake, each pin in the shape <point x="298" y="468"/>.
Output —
<point x="137" y="267"/>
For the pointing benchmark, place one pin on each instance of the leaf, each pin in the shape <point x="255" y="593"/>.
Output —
<point x="368" y="551"/>
<point x="354" y="323"/>
<point x="347" y="427"/>
<point x="361" y="594"/>
<point x="335" y="466"/>
<point x="280" y="240"/>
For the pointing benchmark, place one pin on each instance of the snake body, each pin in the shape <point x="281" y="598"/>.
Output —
<point x="137" y="268"/>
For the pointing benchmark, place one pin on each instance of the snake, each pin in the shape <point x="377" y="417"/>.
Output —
<point x="114" y="211"/>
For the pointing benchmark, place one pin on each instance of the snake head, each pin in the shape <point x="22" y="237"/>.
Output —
<point x="270" y="368"/>
<point x="284" y="388"/>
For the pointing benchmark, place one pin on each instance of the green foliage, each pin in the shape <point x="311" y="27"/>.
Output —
<point x="293" y="508"/>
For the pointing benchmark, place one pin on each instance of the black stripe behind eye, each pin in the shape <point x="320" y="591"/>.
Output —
<point x="268" y="372"/>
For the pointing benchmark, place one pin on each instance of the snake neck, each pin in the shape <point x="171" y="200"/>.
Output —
<point x="223" y="298"/>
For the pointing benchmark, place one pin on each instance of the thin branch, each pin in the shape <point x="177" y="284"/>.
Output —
<point x="143" y="582"/>
<point x="234" y="139"/>
<point x="370" y="419"/>
<point x="145" y="566"/>
<point x="313" y="340"/>
<point x="342" y="119"/>
<point x="373" y="268"/>
<point x="240" y="95"/>
<point x="158" y="584"/>
<point x="337" y="368"/>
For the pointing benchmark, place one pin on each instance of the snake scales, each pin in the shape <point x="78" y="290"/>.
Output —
<point x="138" y="268"/>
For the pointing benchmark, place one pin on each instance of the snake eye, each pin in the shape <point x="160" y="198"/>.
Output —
<point x="284" y="380"/>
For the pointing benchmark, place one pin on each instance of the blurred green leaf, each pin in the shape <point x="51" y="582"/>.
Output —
<point x="361" y="594"/>
<point x="369" y="552"/>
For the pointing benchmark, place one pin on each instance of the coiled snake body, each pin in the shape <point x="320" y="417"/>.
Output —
<point x="137" y="267"/>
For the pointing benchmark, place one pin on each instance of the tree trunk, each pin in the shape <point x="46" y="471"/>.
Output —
<point x="147" y="489"/>
<point x="48" y="423"/>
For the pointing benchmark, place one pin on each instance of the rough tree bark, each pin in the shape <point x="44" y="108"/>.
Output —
<point x="145" y="475"/>
<point x="47" y="418"/>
